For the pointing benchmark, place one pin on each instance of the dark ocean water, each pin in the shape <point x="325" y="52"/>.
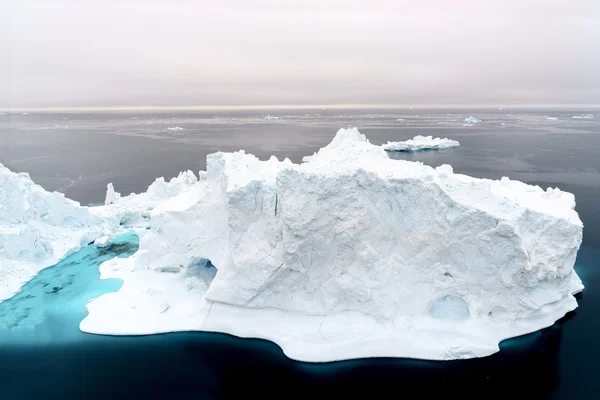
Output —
<point x="43" y="355"/>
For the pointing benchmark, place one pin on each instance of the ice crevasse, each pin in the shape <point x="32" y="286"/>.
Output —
<point x="349" y="254"/>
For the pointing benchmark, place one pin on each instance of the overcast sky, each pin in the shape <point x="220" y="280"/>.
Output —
<point x="80" y="53"/>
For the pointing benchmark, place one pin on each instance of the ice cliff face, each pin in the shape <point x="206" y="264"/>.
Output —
<point x="350" y="254"/>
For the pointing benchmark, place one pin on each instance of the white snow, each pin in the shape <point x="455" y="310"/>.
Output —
<point x="471" y="121"/>
<point x="584" y="116"/>
<point x="419" y="143"/>
<point x="270" y="118"/>
<point x="175" y="128"/>
<point x="351" y="254"/>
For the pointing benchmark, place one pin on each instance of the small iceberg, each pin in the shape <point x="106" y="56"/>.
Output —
<point x="584" y="116"/>
<point x="270" y="118"/>
<point x="400" y="120"/>
<point x="471" y="121"/>
<point x="420" y="143"/>
<point x="175" y="128"/>
<point x="26" y="113"/>
<point x="552" y="118"/>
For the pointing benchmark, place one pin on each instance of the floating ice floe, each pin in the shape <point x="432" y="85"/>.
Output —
<point x="471" y="121"/>
<point x="420" y="143"/>
<point x="350" y="254"/>
<point x="270" y="118"/>
<point x="551" y="118"/>
<point x="175" y="128"/>
<point x="584" y="116"/>
<point x="400" y="120"/>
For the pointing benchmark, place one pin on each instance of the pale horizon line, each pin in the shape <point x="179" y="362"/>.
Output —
<point x="295" y="107"/>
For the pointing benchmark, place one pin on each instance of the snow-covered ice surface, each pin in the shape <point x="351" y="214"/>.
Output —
<point x="350" y="254"/>
<point x="420" y="143"/>
<point x="471" y="121"/>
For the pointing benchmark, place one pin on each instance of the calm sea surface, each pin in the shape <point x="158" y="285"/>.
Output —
<point x="43" y="355"/>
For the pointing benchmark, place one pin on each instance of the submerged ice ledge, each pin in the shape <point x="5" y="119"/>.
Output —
<point x="350" y="254"/>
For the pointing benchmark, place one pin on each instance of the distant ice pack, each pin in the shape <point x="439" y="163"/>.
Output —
<point x="350" y="254"/>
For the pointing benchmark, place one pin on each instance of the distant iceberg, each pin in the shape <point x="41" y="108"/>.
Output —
<point x="175" y="128"/>
<point x="349" y="255"/>
<point x="551" y="118"/>
<point x="471" y="121"/>
<point x="400" y="120"/>
<point x="420" y="143"/>
<point x="584" y="116"/>
<point x="270" y="118"/>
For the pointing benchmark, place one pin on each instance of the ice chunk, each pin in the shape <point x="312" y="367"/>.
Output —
<point x="584" y="116"/>
<point x="111" y="195"/>
<point x="551" y="118"/>
<point x="471" y="121"/>
<point x="419" y="143"/>
<point x="175" y="128"/>
<point x="270" y="118"/>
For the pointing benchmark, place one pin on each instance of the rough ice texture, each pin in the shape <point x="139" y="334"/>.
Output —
<point x="350" y="254"/>
<point x="38" y="229"/>
<point x="420" y="143"/>
<point x="471" y="121"/>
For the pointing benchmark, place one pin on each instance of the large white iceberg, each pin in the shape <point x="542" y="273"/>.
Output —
<point x="420" y="143"/>
<point x="351" y="254"/>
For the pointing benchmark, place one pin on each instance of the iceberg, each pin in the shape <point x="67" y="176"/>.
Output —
<point x="270" y="118"/>
<point x="471" y="121"/>
<point x="175" y="128"/>
<point x="38" y="229"/>
<point x="584" y="116"/>
<point x="420" y="143"/>
<point x="551" y="118"/>
<point x="350" y="254"/>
